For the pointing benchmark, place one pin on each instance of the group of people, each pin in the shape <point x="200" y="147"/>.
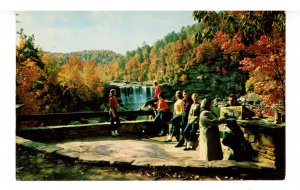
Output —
<point x="189" y="116"/>
<point x="113" y="107"/>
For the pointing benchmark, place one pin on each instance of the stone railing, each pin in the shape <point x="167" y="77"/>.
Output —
<point x="267" y="139"/>
<point x="63" y="132"/>
<point x="82" y="117"/>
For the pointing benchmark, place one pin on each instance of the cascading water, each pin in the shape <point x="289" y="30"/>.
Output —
<point x="135" y="96"/>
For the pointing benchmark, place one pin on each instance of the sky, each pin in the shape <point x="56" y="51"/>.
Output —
<point x="7" y="75"/>
<point x="120" y="31"/>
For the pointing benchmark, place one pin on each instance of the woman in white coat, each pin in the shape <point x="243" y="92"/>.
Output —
<point x="209" y="138"/>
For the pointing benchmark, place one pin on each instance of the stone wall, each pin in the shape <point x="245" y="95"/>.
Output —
<point x="268" y="141"/>
<point x="63" y="132"/>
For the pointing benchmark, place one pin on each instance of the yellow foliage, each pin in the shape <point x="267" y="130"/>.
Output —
<point x="183" y="78"/>
<point x="250" y="84"/>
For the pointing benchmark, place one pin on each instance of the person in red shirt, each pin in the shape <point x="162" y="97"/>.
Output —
<point x="154" y="99"/>
<point x="160" y="117"/>
<point x="114" y="117"/>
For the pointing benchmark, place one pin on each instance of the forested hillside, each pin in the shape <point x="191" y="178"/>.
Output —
<point x="226" y="52"/>
<point x="98" y="56"/>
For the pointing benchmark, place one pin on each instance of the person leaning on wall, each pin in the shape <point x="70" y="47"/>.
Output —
<point x="113" y="113"/>
<point x="240" y="148"/>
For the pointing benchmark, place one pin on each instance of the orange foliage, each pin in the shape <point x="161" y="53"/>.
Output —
<point x="31" y="89"/>
<point x="269" y="63"/>
<point x="263" y="56"/>
<point x="80" y="78"/>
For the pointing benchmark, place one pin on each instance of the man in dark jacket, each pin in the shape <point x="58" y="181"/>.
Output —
<point x="234" y="139"/>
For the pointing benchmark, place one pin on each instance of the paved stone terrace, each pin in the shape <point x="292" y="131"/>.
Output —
<point x="122" y="151"/>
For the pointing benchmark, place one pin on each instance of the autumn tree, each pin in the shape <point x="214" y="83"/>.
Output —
<point x="111" y="71"/>
<point x="52" y="68"/>
<point x="154" y="62"/>
<point x="31" y="89"/>
<point x="80" y="82"/>
<point x="256" y="39"/>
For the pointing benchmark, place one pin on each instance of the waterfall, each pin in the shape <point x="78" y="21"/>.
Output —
<point x="135" y="96"/>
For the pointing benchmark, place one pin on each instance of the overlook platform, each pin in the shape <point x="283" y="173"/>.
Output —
<point x="145" y="153"/>
<point x="92" y="144"/>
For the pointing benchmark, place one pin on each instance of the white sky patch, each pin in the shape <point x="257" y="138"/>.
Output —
<point x="119" y="31"/>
